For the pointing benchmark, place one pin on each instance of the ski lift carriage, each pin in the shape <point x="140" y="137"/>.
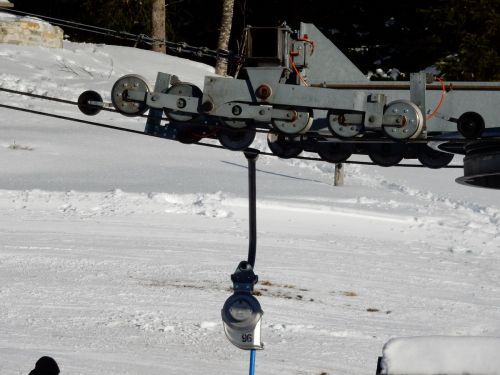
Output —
<point x="300" y="89"/>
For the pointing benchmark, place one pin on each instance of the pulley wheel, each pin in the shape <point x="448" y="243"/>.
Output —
<point x="235" y="124"/>
<point x="119" y="94"/>
<point x="283" y="146"/>
<point x="386" y="154"/>
<point x="334" y="152"/>
<point x="338" y="127"/>
<point x="300" y="121"/>
<point x="433" y="159"/>
<point x="413" y="120"/>
<point x="236" y="139"/>
<point x="182" y="89"/>
<point x="470" y="125"/>
<point x="86" y="107"/>
<point x="481" y="165"/>
<point x="189" y="133"/>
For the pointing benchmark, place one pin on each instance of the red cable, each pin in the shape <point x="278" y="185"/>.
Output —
<point x="297" y="71"/>
<point x="311" y="42"/>
<point x="443" y="94"/>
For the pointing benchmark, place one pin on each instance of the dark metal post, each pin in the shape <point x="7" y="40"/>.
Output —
<point x="252" y="155"/>
<point x="241" y="313"/>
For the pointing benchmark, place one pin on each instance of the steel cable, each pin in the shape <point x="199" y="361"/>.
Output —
<point x="312" y="134"/>
<point x="178" y="47"/>
<point x="65" y="101"/>
<point x="112" y="127"/>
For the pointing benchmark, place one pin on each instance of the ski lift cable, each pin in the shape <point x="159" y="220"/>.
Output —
<point x="61" y="117"/>
<point x="70" y="102"/>
<point x="149" y="116"/>
<point x="51" y="98"/>
<point x="117" y="36"/>
<point x="68" y="22"/>
<point x="179" y="47"/>
<point x="113" y="127"/>
<point x="92" y="106"/>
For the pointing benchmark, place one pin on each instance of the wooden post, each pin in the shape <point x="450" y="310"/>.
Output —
<point x="158" y="24"/>
<point x="339" y="175"/>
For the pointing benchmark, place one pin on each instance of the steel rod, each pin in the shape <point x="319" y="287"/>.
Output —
<point x="252" y="155"/>
<point x="405" y="86"/>
<point x="252" y="361"/>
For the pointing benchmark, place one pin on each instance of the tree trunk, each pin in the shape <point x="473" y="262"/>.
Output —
<point x="158" y="23"/>
<point x="339" y="175"/>
<point x="224" y="34"/>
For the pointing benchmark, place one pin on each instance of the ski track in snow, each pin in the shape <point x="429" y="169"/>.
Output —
<point x="472" y="219"/>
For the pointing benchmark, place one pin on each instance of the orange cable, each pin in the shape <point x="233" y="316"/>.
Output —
<point x="311" y="42"/>
<point x="297" y="71"/>
<point x="443" y="94"/>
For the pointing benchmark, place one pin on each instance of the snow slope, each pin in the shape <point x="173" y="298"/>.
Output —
<point x="116" y="249"/>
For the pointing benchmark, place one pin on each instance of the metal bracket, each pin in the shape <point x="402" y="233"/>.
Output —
<point x="153" y="124"/>
<point x="374" y="108"/>
<point x="418" y="84"/>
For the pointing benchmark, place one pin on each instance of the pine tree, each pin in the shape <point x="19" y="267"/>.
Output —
<point x="467" y="39"/>
<point x="133" y="16"/>
<point x="119" y="14"/>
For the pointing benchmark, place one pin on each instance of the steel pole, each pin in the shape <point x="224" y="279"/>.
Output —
<point x="252" y="155"/>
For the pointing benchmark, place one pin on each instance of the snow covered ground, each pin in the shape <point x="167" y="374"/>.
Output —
<point x="116" y="249"/>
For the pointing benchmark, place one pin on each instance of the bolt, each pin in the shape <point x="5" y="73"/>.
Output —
<point x="372" y="119"/>
<point x="207" y="106"/>
<point x="154" y="98"/>
<point x="263" y="91"/>
<point x="181" y="103"/>
<point x="394" y="110"/>
<point x="262" y="112"/>
<point x="236" y="110"/>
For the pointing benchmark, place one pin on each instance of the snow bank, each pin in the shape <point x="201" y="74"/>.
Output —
<point x="117" y="202"/>
<point x="444" y="355"/>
